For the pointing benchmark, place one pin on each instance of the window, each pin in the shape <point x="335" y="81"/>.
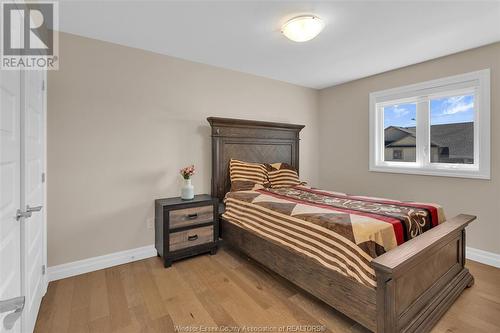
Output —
<point x="397" y="154"/>
<point x="400" y="138"/>
<point x="439" y="127"/>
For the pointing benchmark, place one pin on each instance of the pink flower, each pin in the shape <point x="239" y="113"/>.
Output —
<point x="187" y="172"/>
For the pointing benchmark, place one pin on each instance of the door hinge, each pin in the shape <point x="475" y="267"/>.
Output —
<point x="43" y="269"/>
<point x="43" y="177"/>
<point x="43" y="85"/>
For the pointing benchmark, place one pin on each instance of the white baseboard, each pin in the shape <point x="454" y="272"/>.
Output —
<point x="484" y="257"/>
<point x="96" y="263"/>
<point x="109" y="260"/>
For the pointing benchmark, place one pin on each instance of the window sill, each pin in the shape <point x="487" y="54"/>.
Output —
<point x="472" y="174"/>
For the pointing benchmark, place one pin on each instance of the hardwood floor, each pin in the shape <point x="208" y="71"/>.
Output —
<point x="223" y="290"/>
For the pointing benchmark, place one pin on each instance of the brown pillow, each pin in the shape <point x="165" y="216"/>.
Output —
<point x="247" y="176"/>
<point x="283" y="175"/>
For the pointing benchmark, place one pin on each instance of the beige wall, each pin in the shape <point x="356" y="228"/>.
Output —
<point x="122" y="121"/>
<point x="344" y="146"/>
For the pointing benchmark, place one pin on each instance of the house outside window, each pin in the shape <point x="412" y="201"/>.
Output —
<point x="439" y="127"/>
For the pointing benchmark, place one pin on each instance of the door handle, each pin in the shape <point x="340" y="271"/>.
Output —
<point x="33" y="209"/>
<point x="14" y="304"/>
<point x="28" y="212"/>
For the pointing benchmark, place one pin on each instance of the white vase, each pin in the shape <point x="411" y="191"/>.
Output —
<point x="187" y="191"/>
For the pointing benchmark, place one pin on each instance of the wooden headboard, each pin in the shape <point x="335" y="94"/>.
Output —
<point x="251" y="141"/>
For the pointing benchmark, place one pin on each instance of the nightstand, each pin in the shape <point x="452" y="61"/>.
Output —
<point x="185" y="228"/>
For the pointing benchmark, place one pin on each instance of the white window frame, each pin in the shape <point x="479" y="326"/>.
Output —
<point x="477" y="83"/>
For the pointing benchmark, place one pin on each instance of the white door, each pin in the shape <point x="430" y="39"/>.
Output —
<point x="10" y="169"/>
<point x="22" y="224"/>
<point x="32" y="195"/>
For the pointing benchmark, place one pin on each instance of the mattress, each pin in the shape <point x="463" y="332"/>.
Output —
<point x="342" y="232"/>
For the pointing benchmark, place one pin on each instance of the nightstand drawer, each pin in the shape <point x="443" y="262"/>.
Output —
<point x="182" y="239"/>
<point x="191" y="216"/>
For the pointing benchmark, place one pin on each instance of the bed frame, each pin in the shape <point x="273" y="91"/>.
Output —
<point x="416" y="282"/>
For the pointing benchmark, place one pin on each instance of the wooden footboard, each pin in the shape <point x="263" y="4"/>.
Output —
<point x="419" y="280"/>
<point x="416" y="282"/>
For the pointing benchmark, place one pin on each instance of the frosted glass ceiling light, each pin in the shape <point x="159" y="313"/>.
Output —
<point x="302" y="28"/>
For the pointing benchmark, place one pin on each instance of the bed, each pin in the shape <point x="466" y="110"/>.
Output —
<point x="405" y="289"/>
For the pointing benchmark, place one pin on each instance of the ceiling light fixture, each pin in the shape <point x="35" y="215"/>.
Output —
<point x="302" y="28"/>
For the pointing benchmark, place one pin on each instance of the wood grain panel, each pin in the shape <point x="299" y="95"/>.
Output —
<point x="252" y="141"/>
<point x="191" y="216"/>
<point x="117" y="300"/>
<point x="422" y="276"/>
<point x="418" y="281"/>
<point x="183" y="239"/>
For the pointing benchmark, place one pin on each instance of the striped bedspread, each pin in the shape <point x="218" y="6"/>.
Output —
<point x="340" y="231"/>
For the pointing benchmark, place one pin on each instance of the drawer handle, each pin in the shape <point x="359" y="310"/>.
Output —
<point x="192" y="238"/>
<point x="192" y="216"/>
